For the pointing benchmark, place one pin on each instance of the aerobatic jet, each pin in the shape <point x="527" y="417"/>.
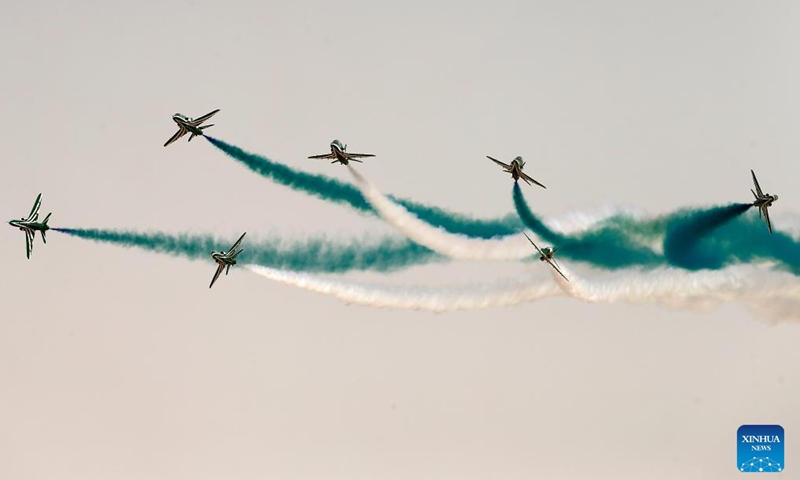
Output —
<point x="190" y="125"/>
<point x="339" y="154"/>
<point x="515" y="169"/>
<point x="763" y="201"/>
<point x="226" y="259"/>
<point x="546" y="255"/>
<point x="30" y="225"/>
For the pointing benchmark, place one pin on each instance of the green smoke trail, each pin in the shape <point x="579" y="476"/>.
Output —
<point x="746" y="239"/>
<point x="739" y="239"/>
<point x="610" y="245"/>
<point x="312" y="255"/>
<point x="688" y="238"/>
<point x="693" y="239"/>
<point x="335" y="191"/>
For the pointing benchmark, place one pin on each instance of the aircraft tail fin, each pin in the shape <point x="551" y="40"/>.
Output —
<point x="206" y="126"/>
<point x="228" y="269"/>
<point x="754" y="194"/>
<point x="44" y="238"/>
<point x="47" y="218"/>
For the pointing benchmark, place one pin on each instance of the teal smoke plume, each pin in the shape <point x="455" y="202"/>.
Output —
<point x="611" y="244"/>
<point x="732" y="238"/>
<point x="694" y="242"/>
<point x="332" y="190"/>
<point x="312" y="255"/>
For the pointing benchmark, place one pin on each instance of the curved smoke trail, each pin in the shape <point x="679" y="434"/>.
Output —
<point x="769" y="294"/>
<point x="510" y="247"/>
<point x="612" y="244"/>
<point x="335" y="191"/>
<point x="684" y="246"/>
<point x="745" y="240"/>
<point x="311" y="255"/>
<point x="430" y="299"/>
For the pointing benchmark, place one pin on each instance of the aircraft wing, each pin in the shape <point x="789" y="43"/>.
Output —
<point x="766" y="217"/>
<point x="534" y="245"/>
<point x="357" y="155"/>
<point x="556" y="269"/>
<point x="528" y="179"/>
<point x="235" y="245"/>
<point x="181" y="132"/>
<point x="758" y="187"/>
<point x="197" y="121"/>
<point x="28" y="242"/>
<point x="35" y="210"/>
<point x="498" y="162"/>
<point x="327" y="155"/>
<point x="220" y="268"/>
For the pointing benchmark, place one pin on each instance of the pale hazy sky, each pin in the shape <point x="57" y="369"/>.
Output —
<point x="122" y="364"/>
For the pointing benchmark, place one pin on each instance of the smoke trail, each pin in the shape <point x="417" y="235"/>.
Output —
<point x="316" y="185"/>
<point x="745" y="239"/>
<point x="532" y="221"/>
<point x="611" y="245"/>
<point x="335" y="191"/>
<point x="313" y="255"/>
<point x="769" y="294"/>
<point x="684" y="244"/>
<point x="434" y="300"/>
<point x="512" y="247"/>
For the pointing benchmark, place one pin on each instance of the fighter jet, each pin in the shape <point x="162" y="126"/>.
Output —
<point x="339" y="154"/>
<point x="763" y="202"/>
<point x="188" y="125"/>
<point x="30" y="225"/>
<point x="546" y="255"/>
<point x="515" y="169"/>
<point x="226" y="259"/>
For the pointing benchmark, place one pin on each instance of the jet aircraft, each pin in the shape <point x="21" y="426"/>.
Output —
<point x="30" y="225"/>
<point x="763" y="202"/>
<point x="226" y="259"/>
<point x="546" y="255"/>
<point x="339" y="154"/>
<point x="188" y="125"/>
<point x="515" y="169"/>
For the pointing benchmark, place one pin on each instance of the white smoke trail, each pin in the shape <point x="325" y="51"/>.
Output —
<point x="430" y="299"/>
<point x="512" y="247"/>
<point x="768" y="293"/>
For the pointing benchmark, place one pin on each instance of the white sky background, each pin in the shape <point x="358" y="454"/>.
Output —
<point x="122" y="364"/>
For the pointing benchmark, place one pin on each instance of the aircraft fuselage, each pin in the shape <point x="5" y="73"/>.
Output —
<point x="515" y="168"/>
<point x="23" y="225"/>
<point x="223" y="259"/>
<point x="340" y="151"/>
<point x="183" y="121"/>
<point x="547" y="253"/>
<point x="765" y="201"/>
